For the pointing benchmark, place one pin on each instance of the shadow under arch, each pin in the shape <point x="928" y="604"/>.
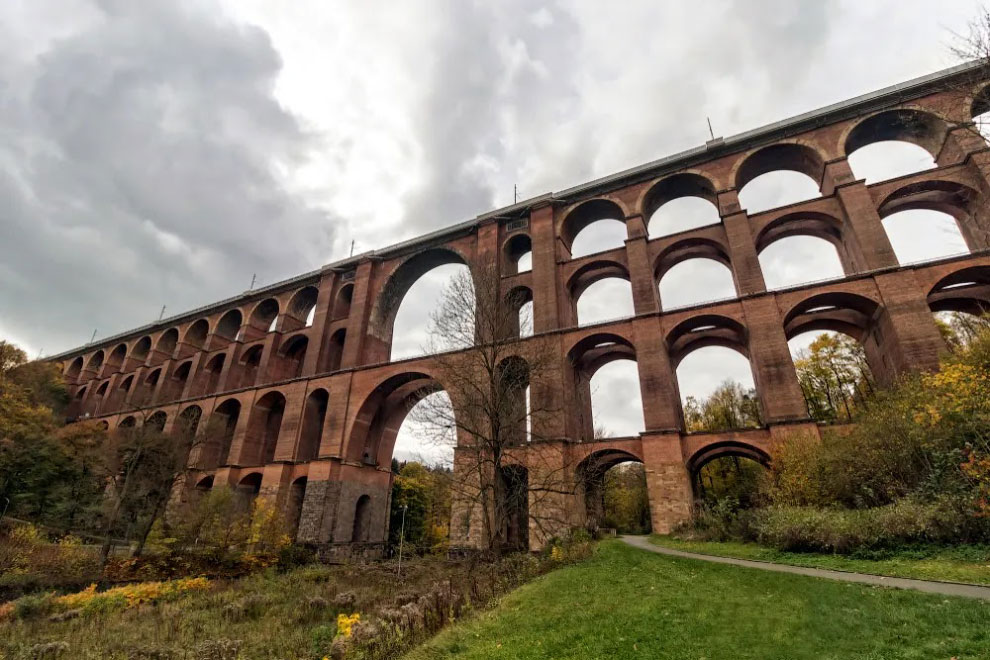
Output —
<point x="902" y="124"/>
<point x="585" y="214"/>
<point x="376" y="425"/>
<point x="387" y="303"/>
<point x="784" y="156"/>
<point x="706" y="330"/>
<point x="966" y="290"/>
<point x="719" y="449"/>
<point x="591" y="475"/>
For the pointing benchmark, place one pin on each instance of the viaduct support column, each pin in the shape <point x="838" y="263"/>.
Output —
<point x="646" y="298"/>
<point x="546" y="312"/>
<point x="742" y="248"/>
<point x="905" y="333"/>
<point x="867" y="236"/>
<point x="773" y="370"/>
<point x="667" y="481"/>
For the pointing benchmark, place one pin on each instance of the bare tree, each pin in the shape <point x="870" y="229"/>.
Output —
<point x="505" y="471"/>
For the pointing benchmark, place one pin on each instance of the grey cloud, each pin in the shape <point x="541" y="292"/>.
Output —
<point x="139" y="170"/>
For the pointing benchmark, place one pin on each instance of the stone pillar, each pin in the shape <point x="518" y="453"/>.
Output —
<point x="905" y="332"/>
<point x="357" y="322"/>
<point x="866" y="238"/>
<point x="288" y="432"/>
<point x="742" y="248"/>
<point x="315" y="360"/>
<point x="773" y="370"/>
<point x="646" y="298"/>
<point x="319" y="508"/>
<point x="667" y="481"/>
<point x="546" y="305"/>
<point x="657" y="380"/>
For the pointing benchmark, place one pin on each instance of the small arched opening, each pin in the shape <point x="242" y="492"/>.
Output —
<point x="293" y="356"/>
<point x="679" y="203"/>
<point x="342" y="303"/>
<point x="361" y="530"/>
<point x="606" y="386"/>
<point x="294" y="505"/>
<point x="156" y="421"/>
<point x="314" y="417"/>
<point x="247" y="490"/>
<point x="251" y="363"/>
<point x="167" y="343"/>
<point x="261" y="440"/>
<point x="695" y="281"/>
<point x="894" y="143"/>
<point x="615" y="495"/>
<point x="197" y="333"/>
<point x="779" y="175"/>
<point x="229" y="325"/>
<point x="220" y="429"/>
<point x="335" y="352"/>
<point x="518" y="252"/>
<point x="710" y="354"/>
<point x="264" y="315"/>
<point x="514" y="534"/>
<point x="726" y="475"/>
<point x="594" y="226"/>
<point x="302" y="305"/>
<point x="799" y="248"/>
<point x="214" y="369"/>
<point x="520" y="299"/>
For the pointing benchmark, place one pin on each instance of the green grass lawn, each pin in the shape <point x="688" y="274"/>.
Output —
<point x="627" y="603"/>
<point x="950" y="565"/>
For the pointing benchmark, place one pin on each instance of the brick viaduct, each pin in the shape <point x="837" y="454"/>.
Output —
<point x="311" y="409"/>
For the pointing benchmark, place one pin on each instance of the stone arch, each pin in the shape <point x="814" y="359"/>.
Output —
<point x="264" y="315"/>
<point x="513" y="384"/>
<point x="955" y="199"/>
<point x="785" y="156"/>
<point x="689" y="248"/>
<point x="313" y="419"/>
<point x="187" y="423"/>
<point x="214" y="370"/>
<point x="718" y="449"/>
<point x="179" y="379"/>
<point x="229" y="325"/>
<point x="676" y="187"/>
<point x="706" y="330"/>
<point x="293" y="354"/>
<point x="851" y="314"/>
<point x="250" y="364"/>
<point x="197" y="333"/>
<point x="966" y="290"/>
<point x="377" y="422"/>
<point x="516" y="247"/>
<point x="294" y="505"/>
<point x="247" y="490"/>
<point x="205" y="484"/>
<point x="302" y="305"/>
<point x="342" y="301"/>
<point x="75" y="368"/>
<point x="586" y="357"/>
<point x="406" y="274"/>
<point x="695" y="281"/>
<point x="128" y="422"/>
<point x="95" y="361"/>
<point x="157" y="420"/>
<point x="603" y="275"/>
<point x="918" y="127"/>
<point x="515" y="489"/>
<point x="117" y="357"/>
<point x="215" y="450"/>
<point x="336" y="349"/>
<point x="520" y="299"/>
<point x="585" y="214"/>
<point x="167" y="342"/>
<point x="141" y="349"/>
<point x="361" y="531"/>
<point x="591" y="476"/>
<point x="808" y="225"/>
<point x="264" y="427"/>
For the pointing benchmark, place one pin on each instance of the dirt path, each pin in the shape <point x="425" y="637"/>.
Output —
<point x="944" y="588"/>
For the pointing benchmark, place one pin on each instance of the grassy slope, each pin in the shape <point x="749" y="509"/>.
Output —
<point x="948" y="565"/>
<point x="626" y="603"/>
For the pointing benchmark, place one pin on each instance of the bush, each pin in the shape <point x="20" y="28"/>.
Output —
<point x="906" y="522"/>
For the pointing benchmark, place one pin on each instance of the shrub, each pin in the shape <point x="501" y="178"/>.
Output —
<point x="906" y="522"/>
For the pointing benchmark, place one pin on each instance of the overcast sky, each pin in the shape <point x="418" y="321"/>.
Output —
<point x="162" y="152"/>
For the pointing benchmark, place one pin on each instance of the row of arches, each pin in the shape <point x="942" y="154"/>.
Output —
<point x="207" y="333"/>
<point x="884" y="146"/>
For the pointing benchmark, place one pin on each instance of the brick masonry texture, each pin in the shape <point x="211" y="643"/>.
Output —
<point x="296" y="376"/>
